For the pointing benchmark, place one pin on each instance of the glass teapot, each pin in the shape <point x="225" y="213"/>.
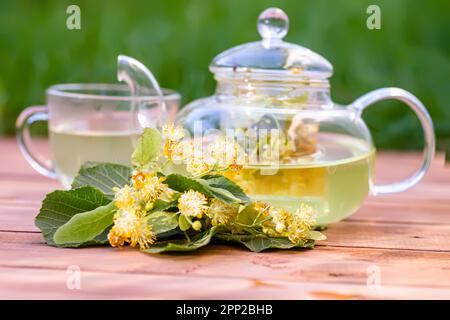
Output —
<point x="273" y="98"/>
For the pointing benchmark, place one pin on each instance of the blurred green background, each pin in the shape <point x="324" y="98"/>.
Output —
<point x="178" y="39"/>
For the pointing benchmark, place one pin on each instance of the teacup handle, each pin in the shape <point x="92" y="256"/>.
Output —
<point x="26" y="118"/>
<point x="427" y="125"/>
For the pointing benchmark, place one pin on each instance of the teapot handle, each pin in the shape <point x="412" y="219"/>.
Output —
<point x="427" y="125"/>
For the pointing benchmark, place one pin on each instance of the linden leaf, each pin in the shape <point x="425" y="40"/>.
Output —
<point x="197" y="241"/>
<point x="183" y="223"/>
<point x="104" y="176"/>
<point x="147" y="149"/>
<point x="249" y="216"/>
<point x="317" y="236"/>
<point x="261" y="242"/>
<point x="224" y="189"/>
<point x="162" y="222"/>
<point x="216" y="186"/>
<point x="60" y="206"/>
<point x="182" y="183"/>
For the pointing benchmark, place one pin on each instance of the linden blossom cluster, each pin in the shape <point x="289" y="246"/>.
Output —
<point x="135" y="203"/>
<point x="219" y="156"/>
<point x="159" y="206"/>
<point x="295" y="226"/>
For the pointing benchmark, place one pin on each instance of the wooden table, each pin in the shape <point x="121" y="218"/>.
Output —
<point x="394" y="247"/>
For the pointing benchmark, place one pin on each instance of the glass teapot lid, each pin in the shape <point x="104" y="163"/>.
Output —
<point x="271" y="58"/>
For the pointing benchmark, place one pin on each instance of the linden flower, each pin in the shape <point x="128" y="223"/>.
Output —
<point x="302" y="222"/>
<point x="168" y="149"/>
<point x="149" y="185"/>
<point x="221" y="213"/>
<point x="130" y="226"/>
<point x="125" y="222"/>
<point x="143" y="235"/>
<point x="224" y="152"/>
<point x="193" y="203"/>
<point x="115" y="238"/>
<point x="294" y="226"/>
<point x="124" y="198"/>
<point x="197" y="165"/>
<point x="278" y="223"/>
<point x="262" y="207"/>
<point x="172" y="132"/>
<point x="183" y="150"/>
<point x="280" y="218"/>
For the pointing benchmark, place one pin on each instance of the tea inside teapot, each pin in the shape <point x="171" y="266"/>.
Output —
<point x="322" y="179"/>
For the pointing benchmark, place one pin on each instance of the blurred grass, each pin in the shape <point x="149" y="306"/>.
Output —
<point x="178" y="39"/>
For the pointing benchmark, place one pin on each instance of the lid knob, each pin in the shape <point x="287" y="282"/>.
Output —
<point x="273" y="23"/>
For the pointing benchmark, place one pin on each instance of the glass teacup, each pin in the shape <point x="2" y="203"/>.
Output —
<point x="90" y="123"/>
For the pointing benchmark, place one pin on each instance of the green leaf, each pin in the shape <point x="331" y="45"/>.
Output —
<point x="161" y="205"/>
<point x="261" y="242"/>
<point x="216" y="186"/>
<point x="147" y="149"/>
<point x="182" y="183"/>
<point x="198" y="241"/>
<point x="224" y="189"/>
<point x="162" y="222"/>
<point x="184" y="223"/>
<point x="104" y="176"/>
<point x="317" y="236"/>
<point x="249" y="215"/>
<point x="86" y="226"/>
<point x="60" y="206"/>
<point x="221" y="194"/>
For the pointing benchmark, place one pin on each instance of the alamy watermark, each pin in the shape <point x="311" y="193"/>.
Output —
<point x="73" y="281"/>
<point x="374" y="19"/>
<point x="373" y="277"/>
<point x="73" y="21"/>
<point x="252" y="146"/>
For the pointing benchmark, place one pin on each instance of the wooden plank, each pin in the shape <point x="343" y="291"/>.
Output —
<point x="406" y="212"/>
<point x="389" y="236"/>
<point x="18" y="218"/>
<point x="28" y="283"/>
<point x="325" y="264"/>
<point x="13" y="161"/>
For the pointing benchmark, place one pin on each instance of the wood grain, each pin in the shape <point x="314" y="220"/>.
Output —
<point x="329" y="264"/>
<point x="51" y="284"/>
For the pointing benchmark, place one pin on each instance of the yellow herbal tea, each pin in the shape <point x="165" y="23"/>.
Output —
<point x="334" y="180"/>
<point x="73" y="146"/>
